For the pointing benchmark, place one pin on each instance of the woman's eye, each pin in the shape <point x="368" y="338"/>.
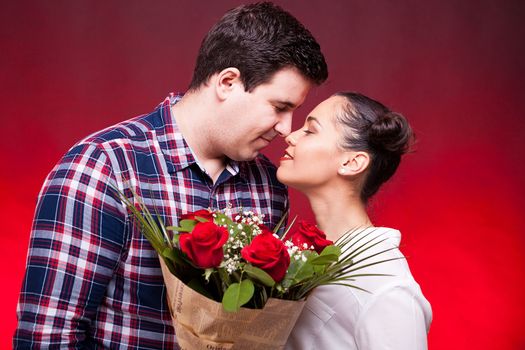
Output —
<point x="280" y="109"/>
<point x="306" y="131"/>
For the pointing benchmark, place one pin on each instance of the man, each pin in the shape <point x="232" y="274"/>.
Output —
<point x="92" y="279"/>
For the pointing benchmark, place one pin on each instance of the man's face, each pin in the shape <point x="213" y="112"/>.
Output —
<point x="253" y="119"/>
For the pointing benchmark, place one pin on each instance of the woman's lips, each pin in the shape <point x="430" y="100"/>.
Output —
<point x="286" y="156"/>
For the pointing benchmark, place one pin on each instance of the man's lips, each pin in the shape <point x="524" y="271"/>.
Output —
<point x="261" y="143"/>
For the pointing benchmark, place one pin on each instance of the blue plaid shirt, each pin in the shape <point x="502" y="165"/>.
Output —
<point x="92" y="279"/>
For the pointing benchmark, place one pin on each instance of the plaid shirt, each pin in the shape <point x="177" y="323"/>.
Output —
<point x="92" y="279"/>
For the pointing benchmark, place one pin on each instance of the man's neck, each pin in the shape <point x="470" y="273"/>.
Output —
<point x="194" y="118"/>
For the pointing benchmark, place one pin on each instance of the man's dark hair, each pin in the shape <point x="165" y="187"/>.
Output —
<point x="259" y="39"/>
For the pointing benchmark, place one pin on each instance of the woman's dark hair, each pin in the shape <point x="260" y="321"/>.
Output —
<point x="258" y="39"/>
<point x="371" y="127"/>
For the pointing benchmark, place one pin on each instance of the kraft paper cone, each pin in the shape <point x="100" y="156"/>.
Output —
<point x="202" y="323"/>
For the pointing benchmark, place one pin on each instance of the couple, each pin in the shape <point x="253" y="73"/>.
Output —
<point x="93" y="281"/>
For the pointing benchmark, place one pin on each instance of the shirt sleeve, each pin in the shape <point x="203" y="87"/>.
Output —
<point x="76" y="242"/>
<point x="397" y="319"/>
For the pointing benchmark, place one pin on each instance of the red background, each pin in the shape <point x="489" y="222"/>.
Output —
<point x="455" y="69"/>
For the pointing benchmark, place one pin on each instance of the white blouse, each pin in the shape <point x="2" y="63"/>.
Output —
<point x="394" y="314"/>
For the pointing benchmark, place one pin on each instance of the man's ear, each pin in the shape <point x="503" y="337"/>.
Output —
<point x="354" y="163"/>
<point x="226" y="81"/>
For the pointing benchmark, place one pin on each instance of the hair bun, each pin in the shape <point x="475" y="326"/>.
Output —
<point x="390" y="133"/>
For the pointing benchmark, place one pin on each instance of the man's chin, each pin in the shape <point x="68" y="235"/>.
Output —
<point x="244" y="157"/>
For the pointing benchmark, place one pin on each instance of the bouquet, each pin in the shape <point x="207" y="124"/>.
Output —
<point x="234" y="283"/>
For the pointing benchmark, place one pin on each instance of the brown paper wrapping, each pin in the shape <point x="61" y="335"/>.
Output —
<point x="202" y="323"/>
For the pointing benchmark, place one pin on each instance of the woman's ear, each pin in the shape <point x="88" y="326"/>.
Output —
<point x="354" y="163"/>
<point x="226" y="81"/>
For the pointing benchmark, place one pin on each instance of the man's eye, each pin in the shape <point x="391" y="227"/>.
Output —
<point x="306" y="131"/>
<point x="280" y="109"/>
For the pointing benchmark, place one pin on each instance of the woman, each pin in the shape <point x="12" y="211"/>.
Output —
<point x="349" y="146"/>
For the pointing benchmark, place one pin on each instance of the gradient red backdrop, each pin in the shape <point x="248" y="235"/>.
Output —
<point x="454" y="68"/>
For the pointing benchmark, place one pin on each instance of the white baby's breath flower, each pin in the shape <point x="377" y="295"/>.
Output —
<point x="292" y="250"/>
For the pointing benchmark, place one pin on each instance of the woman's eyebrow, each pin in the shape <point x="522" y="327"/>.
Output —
<point x="313" y="119"/>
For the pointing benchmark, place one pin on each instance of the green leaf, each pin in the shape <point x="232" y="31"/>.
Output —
<point x="285" y="283"/>
<point x="164" y="231"/>
<point x="331" y="249"/>
<point x="298" y="271"/>
<point x="237" y="295"/>
<point x="304" y="272"/>
<point x="324" y="259"/>
<point x="173" y="255"/>
<point x="259" y="275"/>
<point x="175" y="240"/>
<point x="187" y="225"/>
<point x="319" y="269"/>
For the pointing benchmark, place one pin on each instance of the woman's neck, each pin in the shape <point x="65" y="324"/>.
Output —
<point x="337" y="212"/>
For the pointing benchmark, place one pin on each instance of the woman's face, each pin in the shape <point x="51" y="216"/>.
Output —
<point x="313" y="156"/>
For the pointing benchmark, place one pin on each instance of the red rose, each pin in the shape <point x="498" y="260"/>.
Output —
<point x="204" y="244"/>
<point x="202" y="213"/>
<point x="269" y="254"/>
<point x="311" y="236"/>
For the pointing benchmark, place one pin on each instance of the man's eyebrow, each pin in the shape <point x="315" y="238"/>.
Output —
<point x="288" y="104"/>
<point x="313" y="119"/>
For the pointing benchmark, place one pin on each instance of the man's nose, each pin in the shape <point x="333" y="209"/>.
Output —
<point x="284" y="125"/>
